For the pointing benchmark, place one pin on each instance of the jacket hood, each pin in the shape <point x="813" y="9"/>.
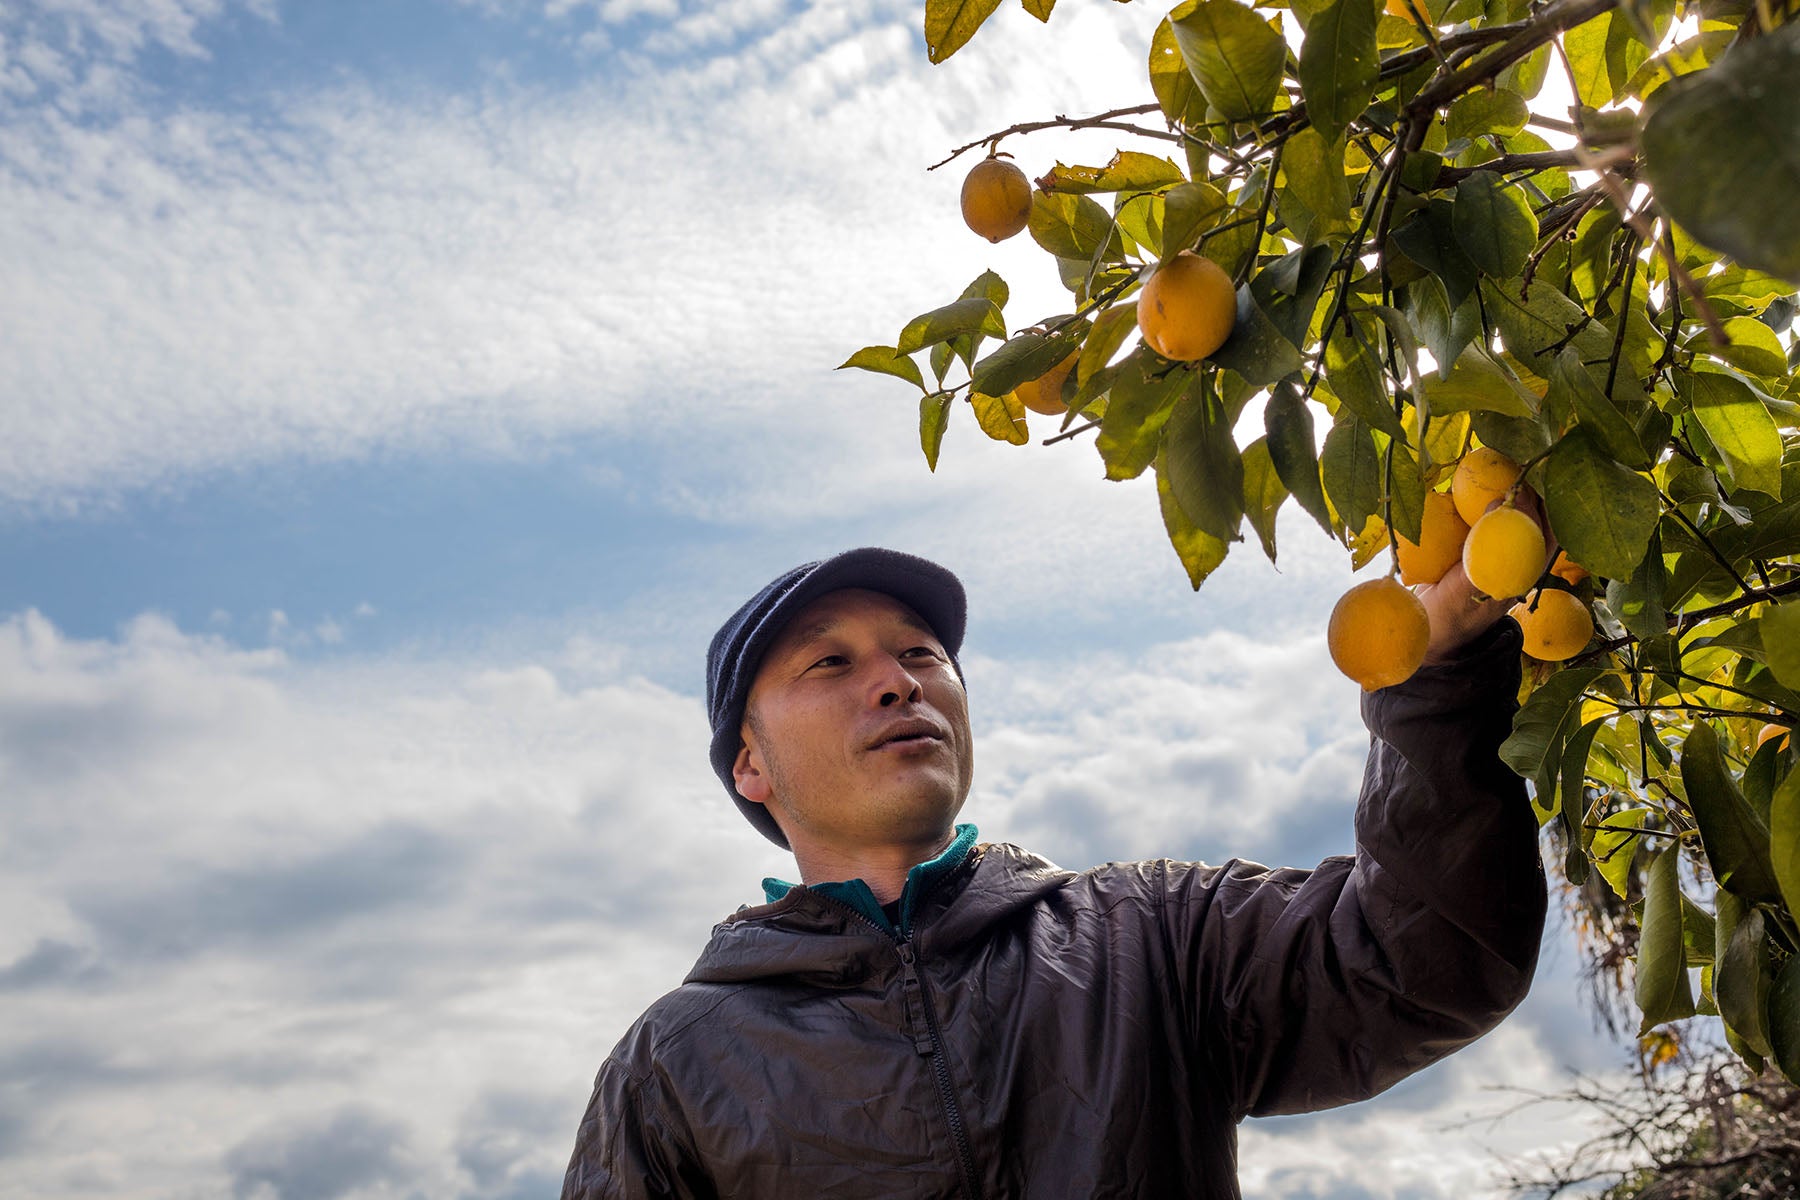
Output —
<point x="812" y="938"/>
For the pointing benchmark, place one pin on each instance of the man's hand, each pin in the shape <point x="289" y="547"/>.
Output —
<point x="1458" y="614"/>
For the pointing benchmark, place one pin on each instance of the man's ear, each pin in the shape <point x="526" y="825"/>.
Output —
<point x="747" y="773"/>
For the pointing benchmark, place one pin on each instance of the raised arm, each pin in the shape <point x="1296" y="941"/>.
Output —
<point x="1309" y="989"/>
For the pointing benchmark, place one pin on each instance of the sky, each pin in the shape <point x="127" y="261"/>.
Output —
<point x="394" y="396"/>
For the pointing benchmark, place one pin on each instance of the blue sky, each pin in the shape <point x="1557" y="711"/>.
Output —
<point x="393" y="398"/>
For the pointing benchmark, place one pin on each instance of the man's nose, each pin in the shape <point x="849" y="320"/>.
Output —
<point x="894" y="684"/>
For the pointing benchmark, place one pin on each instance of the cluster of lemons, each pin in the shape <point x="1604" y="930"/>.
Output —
<point x="1379" y="630"/>
<point x="1186" y="309"/>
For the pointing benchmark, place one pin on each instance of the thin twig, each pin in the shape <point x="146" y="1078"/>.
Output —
<point x="1105" y="120"/>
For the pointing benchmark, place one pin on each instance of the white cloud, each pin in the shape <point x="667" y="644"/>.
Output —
<point x="74" y="53"/>
<point x="671" y="261"/>
<point x="404" y="907"/>
<point x="195" y="290"/>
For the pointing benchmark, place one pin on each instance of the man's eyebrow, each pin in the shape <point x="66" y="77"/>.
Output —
<point x="806" y="635"/>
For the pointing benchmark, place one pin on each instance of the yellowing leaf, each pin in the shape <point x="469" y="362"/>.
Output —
<point x="949" y="24"/>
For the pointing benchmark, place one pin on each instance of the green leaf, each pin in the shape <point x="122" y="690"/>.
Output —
<point x="1501" y="112"/>
<point x="1263" y="492"/>
<point x="1739" y="426"/>
<point x="1405" y="338"/>
<point x="1638" y="601"/>
<point x="1602" y="513"/>
<point x="1784" y="1018"/>
<point x="1533" y="741"/>
<point x="1357" y="379"/>
<point x="1444" y="331"/>
<point x="1170" y="80"/>
<point x="1741" y="978"/>
<point x="1200" y="552"/>
<point x="1429" y="239"/>
<point x="1493" y="224"/>
<point x="1289" y="288"/>
<point x="1137" y="408"/>
<point x="1784" y="838"/>
<point x="1352" y="472"/>
<point x="971" y="316"/>
<point x="1614" y="848"/>
<point x="1572" y="388"/>
<point x="1406" y="492"/>
<point x="949" y="24"/>
<point x="1111" y="328"/>
<point x="1781" y="644"/>
<point x="1074" y="227"/>
<point x="1571" y="771"/>
<point x="1586" y="47"/>
<point x="987" y="286"/>
<point x="1022" y="358"/>
<point x="1752" y="347"/>
<point x="1663" y="990"/>
<point x="1234" y="55"/>
<point x="1139" y="217"/>
<point x="1205" y="470"/>
<point x="885" y="360"/>
<point x="1189" y="209"/>
<point x="1129" y="171"/>
<point x="1735" y="839"/>
<point x="1257" y="348"/>
<point x="1339" y="65"/>
<point x="1537" y="327"/>
<point x="934" y="417"/>
<point x="1315" y="171"/>
<point x="1287" y="419"/>
<point x="1721" y="157"/>
<point x="1476" y="383"/>
<point x="1039" y="8"/>
<point x="1001" y="417"/>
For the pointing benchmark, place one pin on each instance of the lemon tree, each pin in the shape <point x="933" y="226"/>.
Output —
<point x="1429" y="282"/>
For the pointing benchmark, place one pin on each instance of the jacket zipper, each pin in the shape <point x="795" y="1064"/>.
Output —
<point x="930" y="1041"/>
<point x="940" y="1068"/>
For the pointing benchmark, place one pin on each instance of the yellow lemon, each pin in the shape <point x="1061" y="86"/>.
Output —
<point x="1440" y="542"/>
<point x="1556" y="624"/>
<point x="996" y="199"/>
<point x="1482" y="477"/>
<point x="1378" y="633"/>
<point x="1044" y="394"/>
<point x="1504" y="553"/>
<point x="1187" y="308"/>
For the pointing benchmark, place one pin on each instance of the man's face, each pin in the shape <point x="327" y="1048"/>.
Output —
<point x="857" y="730"/>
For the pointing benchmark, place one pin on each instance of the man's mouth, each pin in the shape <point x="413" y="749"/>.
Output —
<point x="908" y="733"/>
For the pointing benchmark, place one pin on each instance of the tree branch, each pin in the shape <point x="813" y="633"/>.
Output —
<point x="1542" y="28"/>
<point x="1105" y="120"/>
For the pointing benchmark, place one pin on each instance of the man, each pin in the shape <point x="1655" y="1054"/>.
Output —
<point x="927" y="1017"/>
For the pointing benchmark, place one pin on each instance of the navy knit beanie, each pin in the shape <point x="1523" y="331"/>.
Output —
<point x="738" y="648"/>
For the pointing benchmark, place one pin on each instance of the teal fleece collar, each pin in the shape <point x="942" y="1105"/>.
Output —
<point x="857" y="895"/>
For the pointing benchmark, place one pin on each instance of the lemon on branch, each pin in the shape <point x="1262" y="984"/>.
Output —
<point x="1567" y="569"/>
<point x="1556" y="624"/>
<point x="1187" y="308"/>
<point x="1441" y="535"/>
<point x="1044" y="394"/>
<point x="1482" y="477"/>
<point x="1504" y="554"/>
<point x="1378" y="633"/>
<point x="996" y="199"/>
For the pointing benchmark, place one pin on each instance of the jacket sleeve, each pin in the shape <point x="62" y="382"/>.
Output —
<point x="629" y="1148"/>
<point x="1309" y="989"/>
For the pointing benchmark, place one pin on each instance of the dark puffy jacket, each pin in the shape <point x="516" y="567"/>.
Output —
<point x="1046" y="1033"/>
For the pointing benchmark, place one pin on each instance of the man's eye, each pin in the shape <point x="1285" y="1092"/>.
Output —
<point x="928" y="651"/>
<point x="831" y="660"/>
